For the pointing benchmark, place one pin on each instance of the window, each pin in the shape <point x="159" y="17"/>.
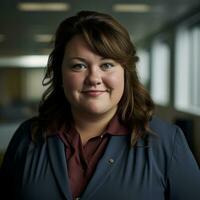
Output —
<point x="160" y="81"/>
<point x="143" y="66"/>
<point x="187" y="70"/>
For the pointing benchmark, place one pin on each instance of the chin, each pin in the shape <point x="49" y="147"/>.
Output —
<point x="100" y="111"/>
<point x="96" y="112"/>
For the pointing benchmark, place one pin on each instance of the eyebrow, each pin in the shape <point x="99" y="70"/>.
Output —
<point x="84" y="60"/>
<point x="76" y="58"/>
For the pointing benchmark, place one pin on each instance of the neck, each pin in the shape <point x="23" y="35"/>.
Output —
<point x="90" y="126"/>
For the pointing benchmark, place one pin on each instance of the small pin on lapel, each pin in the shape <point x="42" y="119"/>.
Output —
<point x="111" y="161"/>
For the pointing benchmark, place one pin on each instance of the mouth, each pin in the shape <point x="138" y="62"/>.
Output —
<point x="94" y="93"/>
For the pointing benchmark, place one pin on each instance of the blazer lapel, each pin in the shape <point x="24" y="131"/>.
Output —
<point x="59" y="166"/>
<point x="114" y="150"/>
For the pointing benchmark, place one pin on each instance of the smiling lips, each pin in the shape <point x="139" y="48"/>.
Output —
<point x="94" y="93"/>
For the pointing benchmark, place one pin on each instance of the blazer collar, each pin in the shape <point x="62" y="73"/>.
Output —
<point x="113" y="152"/>
<point x="59" y="165"/>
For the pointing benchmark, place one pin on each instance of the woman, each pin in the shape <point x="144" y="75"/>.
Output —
<point x="95" y="136"/>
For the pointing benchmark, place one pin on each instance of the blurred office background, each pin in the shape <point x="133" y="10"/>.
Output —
<point x="166" y="34"/>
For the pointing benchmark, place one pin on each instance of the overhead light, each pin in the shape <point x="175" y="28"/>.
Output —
<point x="131" y="8"/>
<point x="2" y="37"/>
<point x="31" y="6"/>
<point x="24" y="61"/>
<point x="46" y="38"/>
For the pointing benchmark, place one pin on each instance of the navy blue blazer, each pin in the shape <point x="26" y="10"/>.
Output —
<point x="157" y="168"/>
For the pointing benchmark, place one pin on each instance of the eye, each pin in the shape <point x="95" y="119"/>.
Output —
<point x="78" y="67"/>
<point x="107" y="66"/>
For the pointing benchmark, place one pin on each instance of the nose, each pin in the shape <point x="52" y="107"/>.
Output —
<point x="93" y="77"/>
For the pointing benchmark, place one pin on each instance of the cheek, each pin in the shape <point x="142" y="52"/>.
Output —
<point x="116" y="82"/>
<point x="71" y="82"/>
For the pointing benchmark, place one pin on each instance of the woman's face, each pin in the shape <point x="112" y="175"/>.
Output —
<point x="92" y="84"/>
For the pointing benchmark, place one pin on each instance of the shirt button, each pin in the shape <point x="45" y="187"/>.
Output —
<point x="111" y="161"/>
<point x="77" y="198"/>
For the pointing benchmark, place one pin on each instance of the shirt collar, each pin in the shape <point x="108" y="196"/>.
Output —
<point x="115" y="127"/>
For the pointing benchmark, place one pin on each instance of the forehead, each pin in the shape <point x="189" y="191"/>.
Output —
<point x="76" y="44"/>
<point x="78" y="47"/>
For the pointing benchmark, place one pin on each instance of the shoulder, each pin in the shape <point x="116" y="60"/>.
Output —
<point x="17" y="146"/>
<point x="22" y="136"/>
<point x="167" y="134"/>
<point x="24" y="129"/>
<point x="164" y="131"/>
<point x="164" y="140"/>
<point x="169" y="145"/>
<point x="26" y="125"/>
<point x="161" y="126"/>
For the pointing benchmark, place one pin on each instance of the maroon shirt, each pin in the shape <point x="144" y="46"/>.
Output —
<point x="82" y="160"/>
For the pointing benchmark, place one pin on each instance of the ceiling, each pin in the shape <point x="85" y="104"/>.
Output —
<point x="18" y="28"/>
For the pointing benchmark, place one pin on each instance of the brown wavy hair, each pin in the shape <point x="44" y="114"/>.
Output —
<point x="108" y="38"/>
